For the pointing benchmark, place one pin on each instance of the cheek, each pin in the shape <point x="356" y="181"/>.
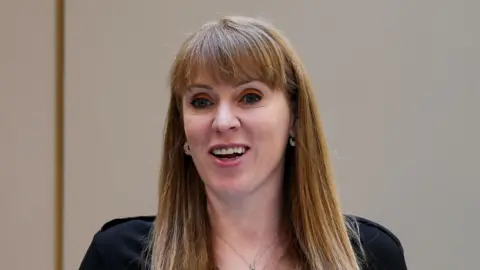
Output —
<point x="196" y="130"/>
<point x="270" y="126"/>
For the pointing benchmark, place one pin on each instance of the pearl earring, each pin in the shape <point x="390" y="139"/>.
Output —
<point x="292" y="141"/>
<point x="186" y="148"/>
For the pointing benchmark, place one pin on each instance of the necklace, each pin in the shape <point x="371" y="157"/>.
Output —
<point x="251" y="266"/>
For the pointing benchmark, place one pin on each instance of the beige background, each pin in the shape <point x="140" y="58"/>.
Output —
<point x="397" y="83"/>
<point x="27" y="134"/>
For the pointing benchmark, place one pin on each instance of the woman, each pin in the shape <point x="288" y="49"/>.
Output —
<point x="246" y="181"/>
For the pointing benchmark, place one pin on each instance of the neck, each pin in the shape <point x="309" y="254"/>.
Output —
<point x="248" y="222"/>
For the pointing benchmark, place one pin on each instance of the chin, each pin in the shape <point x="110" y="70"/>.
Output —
<point x="229" y="184"/>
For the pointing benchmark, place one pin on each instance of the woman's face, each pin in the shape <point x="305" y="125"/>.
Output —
<point x="237" y="134"/>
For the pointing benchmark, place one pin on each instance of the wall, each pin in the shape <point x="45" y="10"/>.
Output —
<point x="397" y="84"/>
<point x="27" y="134"/>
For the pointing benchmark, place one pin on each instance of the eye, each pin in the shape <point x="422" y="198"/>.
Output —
<point x="251" y="97"/>
<point x="201" y="102"/>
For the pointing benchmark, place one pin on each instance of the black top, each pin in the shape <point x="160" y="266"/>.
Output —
<point x="120" y="243"/>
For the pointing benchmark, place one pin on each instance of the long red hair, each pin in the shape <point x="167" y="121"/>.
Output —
<point x="238" y="49"/>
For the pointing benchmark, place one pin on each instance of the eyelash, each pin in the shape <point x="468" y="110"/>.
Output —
<point x="257" y="97"/>
<point x="249" y="94"/>
<point x="195" y="104"/>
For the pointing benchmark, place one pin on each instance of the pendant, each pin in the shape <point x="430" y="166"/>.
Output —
<point x="251" y="267"/>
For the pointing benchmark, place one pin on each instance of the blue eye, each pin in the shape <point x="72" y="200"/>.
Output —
<point x="201" y="103"/>
<point x="251" y="98"/>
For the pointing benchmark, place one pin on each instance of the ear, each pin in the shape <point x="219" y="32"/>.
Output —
<point x="293" y="113"/>
<point x="292" y="128"/>
<point x="293" y="117"/>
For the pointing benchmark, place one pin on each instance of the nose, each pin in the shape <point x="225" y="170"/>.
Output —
<point x="225" y="119"/>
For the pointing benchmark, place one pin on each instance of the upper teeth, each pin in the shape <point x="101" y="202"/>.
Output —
<point x="229" y="150"/>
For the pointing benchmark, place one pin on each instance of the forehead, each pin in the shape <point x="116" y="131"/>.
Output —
<point x="235" y="74"/>
<point x="210" y="84"/>
<point x="217" y="83"/>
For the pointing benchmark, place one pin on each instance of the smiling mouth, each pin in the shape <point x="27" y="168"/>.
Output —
<point x="228" y="153"/>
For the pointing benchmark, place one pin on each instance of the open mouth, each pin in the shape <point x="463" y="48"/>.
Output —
<point x="229" y="153"/>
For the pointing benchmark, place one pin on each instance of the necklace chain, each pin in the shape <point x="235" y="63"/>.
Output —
<point x="258" y="256"/>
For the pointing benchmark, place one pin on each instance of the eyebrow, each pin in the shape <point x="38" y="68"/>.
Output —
<point x="208" y="87"/>
<point x="199" y="85"/>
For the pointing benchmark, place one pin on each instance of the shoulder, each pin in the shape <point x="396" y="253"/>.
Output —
<point x="119" y="244"/>
<point x="128" y="224"/>
<point x="381" y="248"/>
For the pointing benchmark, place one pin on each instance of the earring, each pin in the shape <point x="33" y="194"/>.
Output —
<point x="292" y="141"/>
<point x="186" y="148"/>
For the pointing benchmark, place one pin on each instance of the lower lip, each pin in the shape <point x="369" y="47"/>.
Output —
<point x="228" y="162"/>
